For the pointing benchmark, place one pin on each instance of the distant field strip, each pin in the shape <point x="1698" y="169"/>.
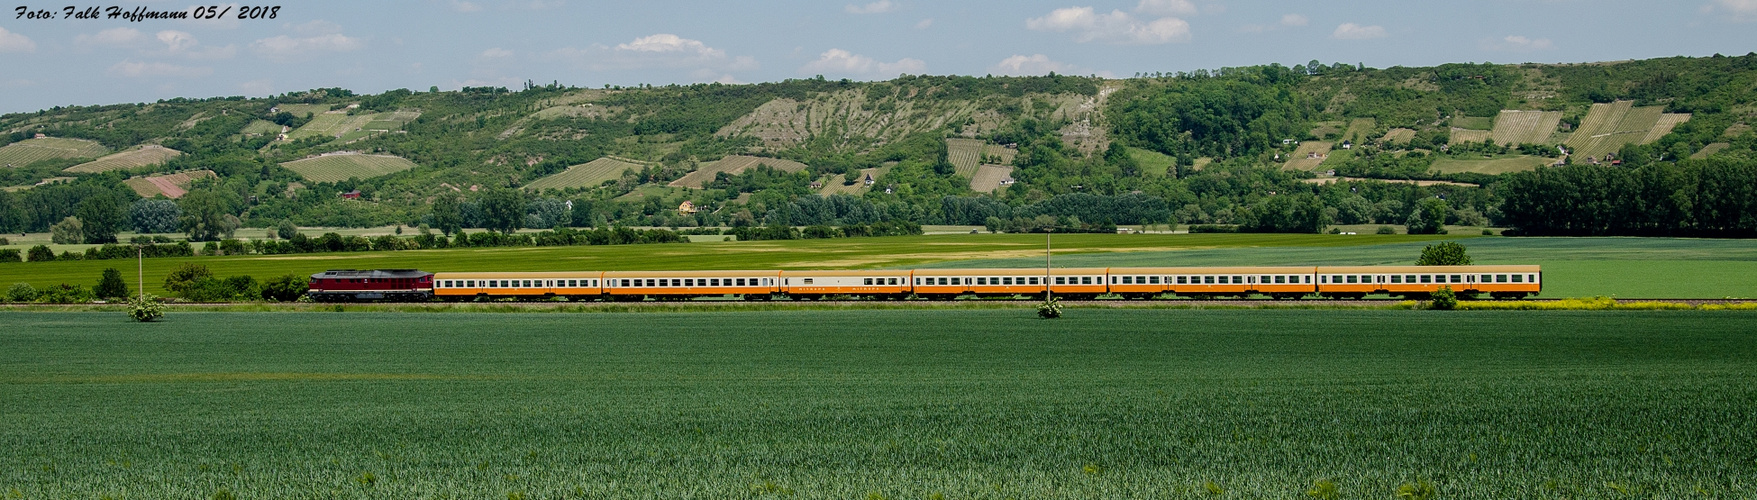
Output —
<point x="1709" y="150"/>
<point x="1483" y="123"/>
<point x="1607" y="127"/>
<point x="1462" y="135"/>
<point x="1152" y="161"/>
<point x="30" y="151"/>
<point x="341" y="125"/>
<point x="133" y="158"/>
<point x="172" y="185"/>
<point x="1525" y="127"/>
<point x="1005" y="154"/>
<point x="732" y="165"/>
<point x="262" y="127"/>
<point x="1399" y="136"/>
<point x="1358" y="129"/>
<point x="1493" y="167"/>
<point x="341" y="166"/>
<point x="1309" y="155"/>
<point x="1667" y="122"/>
<point x="988" y="178"/>
<point x="965" y="154"/>
<point x="589" y="174"/>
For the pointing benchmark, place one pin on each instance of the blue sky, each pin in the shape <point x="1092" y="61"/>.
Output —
<point x="371" y="47"/>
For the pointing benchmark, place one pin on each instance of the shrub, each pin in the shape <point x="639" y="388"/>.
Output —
<point x="186" y="275"/>
<point x="21" y="292"/>
<point x="10" y="255"/>
<point x="284" y="288"/>
<point x="40" y="253"/>
<point x="65" y="294"/>
<point x="67" y="232"/>
<point x="4" y="242"/>
<point x="111" y="285"/>
<point x="1386" y="230"/>
<point x="208" y="289"/>
<point x="1445" y="253"/>
<point x="1419" y="490"/>
<point x="146" y="308"/>
<point x="1050" y="309"/>
<point x="1444" y="299"/>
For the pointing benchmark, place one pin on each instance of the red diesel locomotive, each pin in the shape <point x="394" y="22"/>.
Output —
<point x="343" y="285"/>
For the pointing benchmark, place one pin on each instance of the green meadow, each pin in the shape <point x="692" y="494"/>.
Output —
<point x="881" y="404"/>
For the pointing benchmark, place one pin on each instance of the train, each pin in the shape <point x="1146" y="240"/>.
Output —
<point x="1137" y="283"/>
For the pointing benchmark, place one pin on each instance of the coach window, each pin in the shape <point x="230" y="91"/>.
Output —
<point x="1516" y="277"/>
<point x="1396" y="278"/>
<point x="1153" y="280"/>
<point x="1457" y="278"/>
<point x="1207" y="280"/>
<point x="469" y="283"/>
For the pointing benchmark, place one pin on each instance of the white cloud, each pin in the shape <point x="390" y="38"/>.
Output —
<point x="1116" y="27"/>
<point x="666" y="42"/>
<point x="496" y="53"/>
<point x="663" y="50"/>
<point x="462" y="6"/>
<point x="879" y="7"/>
<point x="113" y="37"/>
<point x="1517" y="43"/>
<point x="1035" y="64"/>
<point x="317" y="27"/>
<point x="842" y="62"/>
<point x="131" y="69"/>
<point x="14" y="42"/>
<point x="1295" y="20"/>
<point x="286" y="46"/>
<point x="1351" y="31"/>
<point x="1736" y="10"/>
<point x="1166" y="7"/>
<point x="175" y="40"/>
<point x="924" y="24"/>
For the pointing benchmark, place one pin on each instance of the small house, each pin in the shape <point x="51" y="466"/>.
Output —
<point x="868" y="179"/>
<point x="1347" y="145"/>
<point x="686" y="207"/>
<point x="352" y="195"/>
<point x="41" y="136"/>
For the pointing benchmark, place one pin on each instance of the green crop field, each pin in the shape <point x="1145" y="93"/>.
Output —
<point x="1521" y="163"/>
<point x="1473" y="122"/>
<point x="340" y="167"/>
<point x="589" y="174"/>
<point x="30" y="151"/>
<point x="880" y="404"/>
<point x="260" y="127"/>
<point x="1359" y="130"/>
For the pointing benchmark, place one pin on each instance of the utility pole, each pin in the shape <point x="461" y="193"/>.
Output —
<point x="140" y="267"/>
<point x="1048" y="293"/>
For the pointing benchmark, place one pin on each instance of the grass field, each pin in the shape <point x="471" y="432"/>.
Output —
<point x="988" y="178"/>
<point x="170" y="185"/>
<point x="260" y="127"/>
<point x="733" y="165"/>
<point x="588" y="174"/>
<point x="1359" y="130"/>
<point x="133" y="158"/>
<point x="1152" y="161"/>
<point x="341" y="166"/>
<point x="1483" y="123"/>
<point x="1308" y="155"/>
<point x="1398" y="136"/>
<point x="30" y="151"/>
<point x="880" y="404"/>
<point x="1491" y="166"/>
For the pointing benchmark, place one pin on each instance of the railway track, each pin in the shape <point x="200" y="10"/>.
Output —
<point x="733" y="304"/>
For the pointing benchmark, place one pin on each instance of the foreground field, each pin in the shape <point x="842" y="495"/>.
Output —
<point x="880" y="404"/>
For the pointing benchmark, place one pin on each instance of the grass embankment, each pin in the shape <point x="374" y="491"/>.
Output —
<point x="846" y="253"/>
<point x="897" y="404"/>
